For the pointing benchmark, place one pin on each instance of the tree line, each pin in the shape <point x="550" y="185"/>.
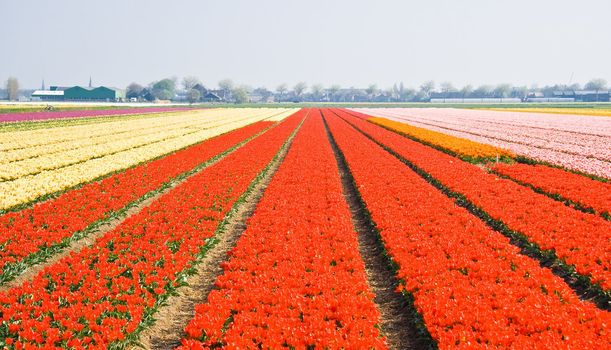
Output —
<point x="191" y="89"/>
<point x="228" y="91"/>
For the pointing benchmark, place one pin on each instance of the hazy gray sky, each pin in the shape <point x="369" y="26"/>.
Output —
<point x="352" y="43"/>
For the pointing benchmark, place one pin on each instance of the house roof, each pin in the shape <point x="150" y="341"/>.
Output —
<point x="591" y="92"/>
<point x="48" y="93"/>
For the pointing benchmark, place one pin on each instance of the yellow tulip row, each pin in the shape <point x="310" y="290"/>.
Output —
<point x="105" y="126"/>
<point x="104" y="145"/>
<point x="109" y="135"/>
<point x="30" y="187"/>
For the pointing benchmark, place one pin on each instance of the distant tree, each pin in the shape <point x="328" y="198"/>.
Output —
<point x="421" y="96"/>
<point x="596" y="84"/>
<point x="12" y="88"/>
<point x="447" y="88"/>
<point x="466" y="91"/>
<point x="389" y="94"/>
<point x="299" y="89"/>
<point x="193" y="96"/>
<point x="520" y="92"/>
<point x="483" y="91"/>
<point x="263" y="92"/>
<point x="134" y="90"/>
<point x="189" y="82"/>
<point x="240" y="94"/>
<point x="426" y="88"/>
<point x="502" y="90"/>
<point x="406" y="94"/>
<point x="226" y="86"/>
<point x="395" y="91"/>
<point x="371" y="91"/>
<point x="333" y="90"/>
<point x="164" y="89"/>
<point x="317" y="92"/>
<point x="575" y="86"/>
<point x="281" y="90"/>
<point x="548" y="90"/>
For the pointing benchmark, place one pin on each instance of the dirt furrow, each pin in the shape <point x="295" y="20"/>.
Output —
<point x="179" y="309"/>
<point x="398" y="322"/>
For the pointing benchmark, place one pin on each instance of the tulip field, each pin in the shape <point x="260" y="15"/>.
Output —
<point x="305" y="228"/>
<point x="576" y="142"/>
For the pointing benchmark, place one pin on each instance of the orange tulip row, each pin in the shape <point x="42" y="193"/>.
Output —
<point x="558" y="182"/>
<point x="99" y="295"/>
<point x="295" y="278"/>
<point x="580" y="239"/>
<point x="37" y="231"/>
<point x="472" y="287"/>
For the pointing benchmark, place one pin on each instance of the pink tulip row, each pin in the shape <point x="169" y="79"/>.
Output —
<point x="19" y="117"/>
<point x="562" y="140"/>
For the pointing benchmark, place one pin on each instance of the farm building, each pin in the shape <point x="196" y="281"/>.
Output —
<point x="48" y="95"/>
<point x="211" y="96"/>
<point x="79" y="93"/>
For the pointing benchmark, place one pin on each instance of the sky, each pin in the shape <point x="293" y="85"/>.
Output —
<point x="269" y="42"/>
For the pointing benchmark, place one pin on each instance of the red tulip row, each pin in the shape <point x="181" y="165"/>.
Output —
<point x="576" y="188"/>
<point x="34" y="230"/>
<point x="295" y="278"/>
<point x="100" y="294"/>
<point x="580" y="239"/>
<point x="471" y="285"/>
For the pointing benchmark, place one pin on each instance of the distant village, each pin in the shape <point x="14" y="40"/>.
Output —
<point x="191" y="90"/>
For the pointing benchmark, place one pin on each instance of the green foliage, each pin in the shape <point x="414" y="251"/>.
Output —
<point x="164" y="89"/>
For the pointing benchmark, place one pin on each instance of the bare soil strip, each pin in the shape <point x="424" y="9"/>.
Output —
<point x="134" y="208"/>
<point x="398" y="323"/>
<point x="171" y="319"/>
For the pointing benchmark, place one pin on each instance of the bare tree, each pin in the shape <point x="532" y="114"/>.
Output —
<point x="372" y="90"/>
<point x="263" y="92"/>
<point x="317" y="92"/>
<point x="300" y="88"/>
<point x="12" y="88"/>
<point x="520" y="92"/>
<point x="427" y="87"/>
<point x="447" y="88"/>
<point x="193" y="96"/>
<point x="575" y="86"/>
<point x="226" y="85"/>
<point x="407" y="94"/>
<point x="466" y="90"/>
<point x="597" y="85"/>
<point x="484" y="91"/>
<point x="333" y="90"/>
<point x="502" y="90"/>
<point x="281" y="89"/>
<point x="189" y="82"/>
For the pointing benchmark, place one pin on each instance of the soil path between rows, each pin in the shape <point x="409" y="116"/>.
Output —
<point x="396" y="323"/>
<point x="172" y="318"/>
